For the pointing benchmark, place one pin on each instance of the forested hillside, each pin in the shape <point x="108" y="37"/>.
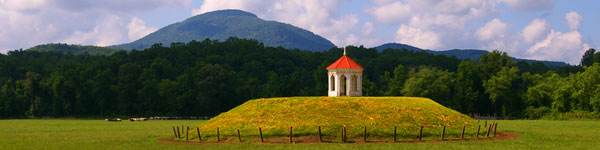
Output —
<point x="205" y="78"/>
<point x="74" y="49"/>
<point x="463" y="53"/>
<point x="222" y="24"/>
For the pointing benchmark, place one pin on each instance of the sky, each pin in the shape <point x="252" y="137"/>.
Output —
<point x="556" y="30"/>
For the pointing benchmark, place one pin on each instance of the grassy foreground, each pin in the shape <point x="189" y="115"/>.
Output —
<point x="305" y="114"/>
<point x="97" y="134"/>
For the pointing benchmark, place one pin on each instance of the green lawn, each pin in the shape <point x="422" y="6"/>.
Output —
<point x="98" y="134"/>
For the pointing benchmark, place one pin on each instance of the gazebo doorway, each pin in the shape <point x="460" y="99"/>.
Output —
<point x="343" y="86"/>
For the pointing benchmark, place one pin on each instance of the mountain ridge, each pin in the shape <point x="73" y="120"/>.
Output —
<point x="222" y="24"/>
<point x="462" y="53"/>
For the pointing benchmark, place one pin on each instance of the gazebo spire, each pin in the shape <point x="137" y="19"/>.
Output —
<point x="344" y="51"/>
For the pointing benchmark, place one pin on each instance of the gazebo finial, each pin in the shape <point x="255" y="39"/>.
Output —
<point x="344" y="51"/>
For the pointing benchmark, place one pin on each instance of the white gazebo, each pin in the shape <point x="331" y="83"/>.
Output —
<point x="345" y="77"/>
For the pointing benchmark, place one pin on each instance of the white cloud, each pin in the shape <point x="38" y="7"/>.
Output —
<point x="559" y="46"/>
<point x="566" y="47"/>
<point x="137" y="29"/>
<point x="117" y="6"/>
<point x="247" y="5"/>
<point x="529" y="5"/>
<point x="417" y="37"/>
<point x="391" y="13"/>
<point x="445" y="19"/>
<point x="494" y="36"/>
<point x="26" y="23"/>
<point x="574" y="20"/>
<point x="317" y="16"/>
<point x="492" y="30"/>
<point x="368" y="28"/>
<point x="535" y="30"/>
<point x="105" y="34"/>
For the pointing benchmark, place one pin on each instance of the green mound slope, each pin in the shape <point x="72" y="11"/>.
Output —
<point x="305" y="114"/>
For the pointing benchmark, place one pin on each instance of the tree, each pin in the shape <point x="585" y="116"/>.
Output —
<point x="384" y="80"/>
<point x="586" y="84"/>
<point x="431" y="83"/>
<point x="104" y="92"/>
<point x="214" y="84"/>
<point x="14" y="105"/>
<point x="493" y="62"/>
<point x="588" y="57"/>
<point x="127" y="87"/>
<point x="369" y="87"/>
<point x="32" y="92"/>
<point x="539" y="94"/>
<point x="321" y="80"/>
<point x="274" y="86"/>
<point x="499" y="85"/>
<point x="468" y="86"/>
<point x="147" y="95"/>
<point x="396" y="83"/>
<point x="168" y="91"/>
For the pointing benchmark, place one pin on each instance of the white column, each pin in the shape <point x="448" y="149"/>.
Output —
<point x="348" y="85"/>
<point x="328" y="83"/>
<point x="359" y="84"/>
<point x="337" y="84"/>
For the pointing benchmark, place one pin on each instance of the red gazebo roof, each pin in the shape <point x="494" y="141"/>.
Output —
<point x="344" y="62"/>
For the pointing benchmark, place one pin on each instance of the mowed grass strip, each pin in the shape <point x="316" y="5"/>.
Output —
<point x="98" y="134"/>
<point x="305" y="114"/>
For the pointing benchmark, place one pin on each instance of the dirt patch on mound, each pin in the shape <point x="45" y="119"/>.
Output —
<point x="330" y="140"/>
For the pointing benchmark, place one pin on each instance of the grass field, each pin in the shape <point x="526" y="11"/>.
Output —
<point x="98" y="134"/>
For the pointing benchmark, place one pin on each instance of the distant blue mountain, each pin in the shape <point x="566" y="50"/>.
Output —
<point x="461" y="53"/>
<point x="222" y="24"/>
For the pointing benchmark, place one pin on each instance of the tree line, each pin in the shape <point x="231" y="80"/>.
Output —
<point x="205" y="78"/>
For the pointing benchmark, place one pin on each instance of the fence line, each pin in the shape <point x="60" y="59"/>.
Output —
<point x="491" y="132"/>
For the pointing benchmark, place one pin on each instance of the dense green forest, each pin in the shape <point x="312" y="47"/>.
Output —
<point x="205" y="78"/>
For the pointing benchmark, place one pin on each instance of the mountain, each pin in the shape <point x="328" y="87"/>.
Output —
<point x="222" y="24"/>
<point x="461" y="53"/>
<point x="74" y="49"/>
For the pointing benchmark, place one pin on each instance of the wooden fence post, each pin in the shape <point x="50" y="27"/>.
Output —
<point x="485" y="125"/>
<point x="495" y="126"/>
<point x="489" y="129"/>
<point x="342" y="134"/>
<point x="443" y="132"/>
<point x="462" y="135"/>
<point x="187" y="132"/>
<point x="345" y="133"/>
<point x="218" y="138"/>
<point x="199" y="137"/>
<point x="291" y="133"/>
<point x="365" y="134"/>
<point x="239" y="136"/>
<point x="420" y="133"/>
<point x="261" y="137"/>
<point x="320" y="136"/>
<point x="478" y="127"/>
<point x="395" y="133"/>
<point x="174" y="132"/>
<point x="178" y="134"/>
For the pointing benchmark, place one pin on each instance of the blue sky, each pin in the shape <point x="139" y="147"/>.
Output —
<point x="557" y="30"/>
